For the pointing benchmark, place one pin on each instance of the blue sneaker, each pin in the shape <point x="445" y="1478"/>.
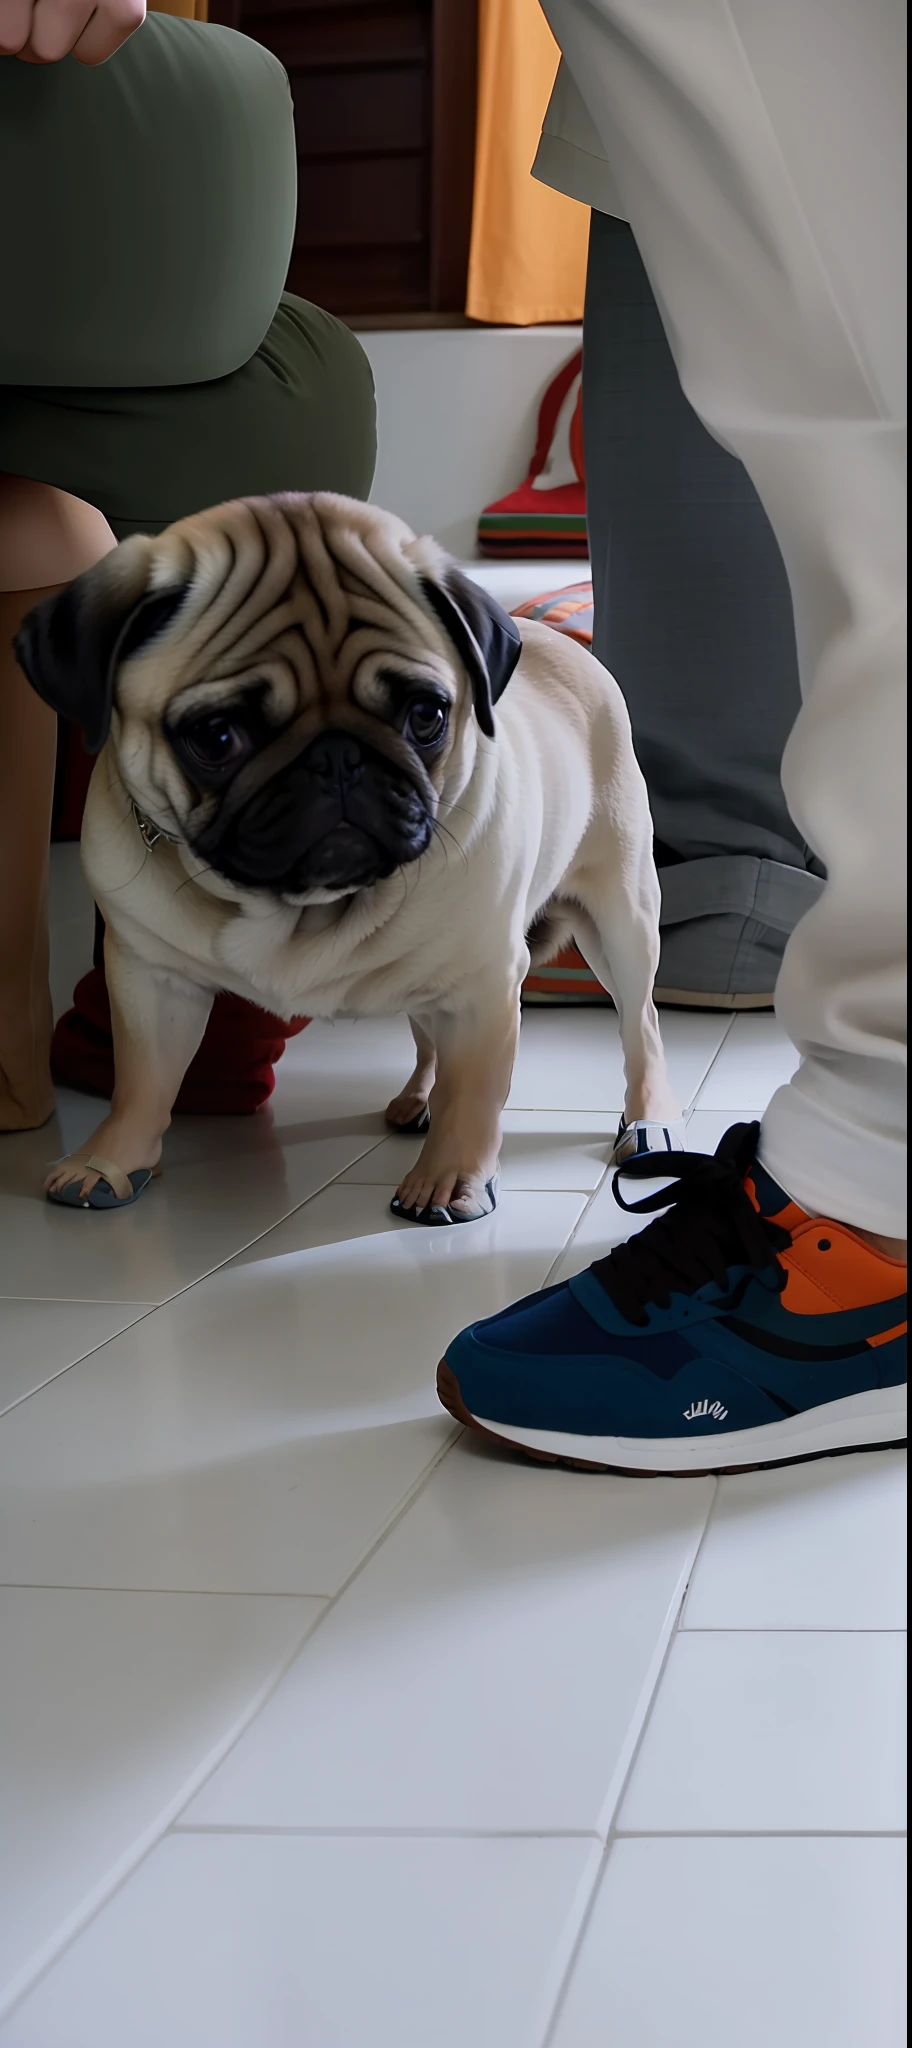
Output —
<point x="733" y="1331"/>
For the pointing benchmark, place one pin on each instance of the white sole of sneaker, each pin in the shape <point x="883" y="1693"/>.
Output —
<point x="860" y="1422"/>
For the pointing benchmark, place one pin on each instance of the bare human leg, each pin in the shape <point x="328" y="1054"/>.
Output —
<point x="46" y="538"/>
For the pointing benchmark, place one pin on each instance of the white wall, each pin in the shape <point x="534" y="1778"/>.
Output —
<point x="457" y="411"/>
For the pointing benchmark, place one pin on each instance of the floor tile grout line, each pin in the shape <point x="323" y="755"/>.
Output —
<point x="694" y="1103"/>
<point x="247" y="1246"/>
<point x="238" y="1252"/>
<point x="368" y="1833"/>
<point x="22" y="1989"/>
<point x="165" y="1592"/>
<point x="75" y="1924"/>
<point x="652" y="1683"/>
<point x="717" y="1492"/>
<point x="376" y="1542"/>
<point x="168" y="1300"/>
<point x="328" y="1598"/>
<point x="760" y="1835"/>
<point x="813" y="1628"/>
<point x="78" y="1301"/>
<point x="372" y="1833"/>
<point x="546" y="2034"/>
<point x="615" y="1798"/>
<point x="570" y="1241"/>
<point x="128" y="1864"/>
<point x="276" y="1224"/>
<point x="403" y="1506"/>
<point x="616" y="1833"/>
<point x="149" y="1310"/>
<point x="526" y="1188"/>
<point x="152" y="1309"/>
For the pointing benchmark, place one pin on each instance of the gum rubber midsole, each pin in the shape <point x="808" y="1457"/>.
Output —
<point x="873" y="1418"/>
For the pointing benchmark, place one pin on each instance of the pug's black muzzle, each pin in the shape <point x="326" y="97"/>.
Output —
<point x="341" y="816"/>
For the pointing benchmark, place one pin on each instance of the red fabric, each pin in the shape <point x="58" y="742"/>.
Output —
<point x="549" y="413"/>
<point x="567" y="501"/>
<point x="232" y="1074"/>
<point x="567" y="979"/>
<point x="528" y="521"/>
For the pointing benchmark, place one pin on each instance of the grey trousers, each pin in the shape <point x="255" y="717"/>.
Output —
<point x="694" y="617"/>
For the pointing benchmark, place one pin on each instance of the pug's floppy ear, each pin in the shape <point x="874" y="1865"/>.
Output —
<point x="485" y="637"/>
<point x="70" y="646"/>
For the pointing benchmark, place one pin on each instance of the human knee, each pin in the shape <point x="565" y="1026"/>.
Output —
<point x="299" y="416"/>
<point x="46" y="535"/>
<point x="322" y="401"/>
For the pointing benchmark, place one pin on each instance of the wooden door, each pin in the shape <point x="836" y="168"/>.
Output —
<point x="384" y="95"/>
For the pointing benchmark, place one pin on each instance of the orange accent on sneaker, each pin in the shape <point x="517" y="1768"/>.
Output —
<point x="830" y="1268"/>
<point x="887" y="1336"/>
<point x="789" y="1218"/>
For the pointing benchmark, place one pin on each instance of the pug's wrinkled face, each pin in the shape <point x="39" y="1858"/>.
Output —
<point x="304" y="746"/>
<point x="289" y="682"/>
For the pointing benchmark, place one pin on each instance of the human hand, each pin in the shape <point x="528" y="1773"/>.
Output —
<point x="43" y="31"/>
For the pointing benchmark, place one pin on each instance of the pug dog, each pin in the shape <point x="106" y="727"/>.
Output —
<point x="336" y="778"/>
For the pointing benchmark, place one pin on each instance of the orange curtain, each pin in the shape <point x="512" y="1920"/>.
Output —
<point x="527" y="260"/>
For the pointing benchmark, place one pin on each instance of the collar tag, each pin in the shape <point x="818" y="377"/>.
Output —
<point x="150" y="834"/>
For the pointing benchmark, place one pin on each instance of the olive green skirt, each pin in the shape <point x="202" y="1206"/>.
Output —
<point x="298" y="417"/>
<point x="150" y="361"/>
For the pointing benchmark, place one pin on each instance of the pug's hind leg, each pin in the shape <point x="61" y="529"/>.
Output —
<point x="408" y="1112"/>
<point x="618" y="936"/>
<point x="158" y="1020"/>
<point x="455" y="1178"/>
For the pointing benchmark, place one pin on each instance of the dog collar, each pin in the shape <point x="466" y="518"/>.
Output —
<point x="151" y="834"/>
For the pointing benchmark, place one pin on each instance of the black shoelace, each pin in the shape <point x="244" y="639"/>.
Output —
<point x="710" y="1227"/>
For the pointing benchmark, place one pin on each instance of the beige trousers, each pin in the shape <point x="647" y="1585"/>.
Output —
<point x="758" y="147"/>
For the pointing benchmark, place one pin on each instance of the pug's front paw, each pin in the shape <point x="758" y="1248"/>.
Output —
<point x="409" y="1113"/>
<point x="436" y="1193"/>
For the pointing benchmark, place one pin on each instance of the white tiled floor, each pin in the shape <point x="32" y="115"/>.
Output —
<point x="321" y="1727"/>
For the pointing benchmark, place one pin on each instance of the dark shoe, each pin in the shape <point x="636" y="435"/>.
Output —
<point x="734" y="1331"/>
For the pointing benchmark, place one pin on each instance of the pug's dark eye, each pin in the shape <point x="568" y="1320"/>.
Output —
<point x="426" y="722"/>
<point x="214" y="742"/>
